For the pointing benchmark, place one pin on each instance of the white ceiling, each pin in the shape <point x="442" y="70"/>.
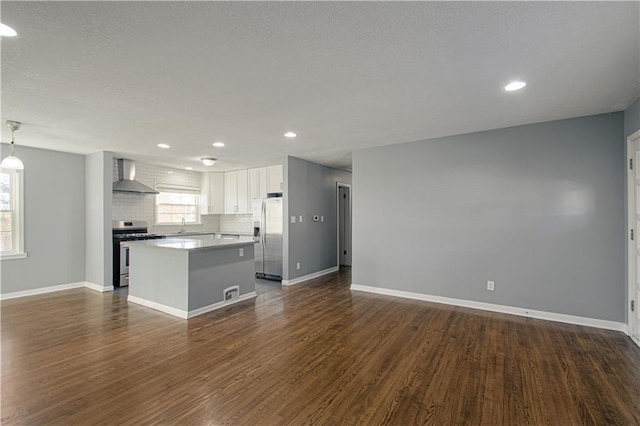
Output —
<point x="122" y="77"/>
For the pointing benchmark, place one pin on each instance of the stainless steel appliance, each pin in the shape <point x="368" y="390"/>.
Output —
<point x="267" y="232"/>
<point x="127" y="179"/>
<point x="124" y="231"/>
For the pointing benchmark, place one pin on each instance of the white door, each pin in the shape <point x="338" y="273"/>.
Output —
<point x="633" y="149"/>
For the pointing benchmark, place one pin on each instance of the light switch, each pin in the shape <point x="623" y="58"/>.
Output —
<point x="293" y="219"/>
<point x="300" y="218"/>
<point x="321" y="218"/>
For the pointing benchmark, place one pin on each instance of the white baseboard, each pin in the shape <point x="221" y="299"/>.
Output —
<point x="188" y="314"/>
<point x="309" y="276"/>
<point x="219" y="305"/>
<point x="523" y="312"/>
<point x="636" y="341"/>
<point x="53" y="288"/>
<point x="98" y="287"/>
<point x="158" y="306"/>
<point x="41" y="290"/>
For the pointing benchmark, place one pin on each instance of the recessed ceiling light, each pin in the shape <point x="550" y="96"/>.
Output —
<point x="218" y="144"/>
<point x="514" y="85"/>
<point x="7" y="31"/>
<point x="290" y="135"/>
<point x="169" y="173"/>
<point x="188" y="168"/>
<point x="163" y="146"/>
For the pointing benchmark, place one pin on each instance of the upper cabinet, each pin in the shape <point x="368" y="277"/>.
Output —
<point x="232" y="192"/>
<point x="212" y="193"/>
<point x="257" y="183"/>
<point x="274" y="179"/>
<point x="236" y="192"/>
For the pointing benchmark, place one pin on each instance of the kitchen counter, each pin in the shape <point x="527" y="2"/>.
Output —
<point x="195" y="243"/>
<point x="186" y="277"/>
<point x="192" y="233"/>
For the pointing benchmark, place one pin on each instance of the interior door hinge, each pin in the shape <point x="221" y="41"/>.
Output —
<point x="632" y="235"/>
<point x="631" y="163"/>
<point x="633" y="305"/>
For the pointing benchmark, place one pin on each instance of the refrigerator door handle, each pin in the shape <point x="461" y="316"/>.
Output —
<point x="263" y="218"/>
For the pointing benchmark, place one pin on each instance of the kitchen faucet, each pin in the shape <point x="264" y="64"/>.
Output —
<point x="184" y="227"/>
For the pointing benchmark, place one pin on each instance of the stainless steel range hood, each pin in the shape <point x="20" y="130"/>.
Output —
<point x="126" y="179"/>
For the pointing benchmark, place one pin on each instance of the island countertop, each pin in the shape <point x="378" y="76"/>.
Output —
<point x="193" y="243"/>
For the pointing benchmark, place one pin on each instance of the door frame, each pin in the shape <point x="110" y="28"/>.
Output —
<point x="631" y="250"/>
<point x="338" y="186"/>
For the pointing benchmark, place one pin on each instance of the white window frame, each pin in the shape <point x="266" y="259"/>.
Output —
<point x="177" y="189"/>
<point x="17" y="221"/>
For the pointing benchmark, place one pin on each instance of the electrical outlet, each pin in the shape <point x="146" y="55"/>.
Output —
<point x="293" y="219"/>
<point x="491" y="285"/>
<point x="298" y="265"/>
<point x="241" y="252"/>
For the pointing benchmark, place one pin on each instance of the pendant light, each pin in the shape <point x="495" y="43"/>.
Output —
<point x="12" y="162"/>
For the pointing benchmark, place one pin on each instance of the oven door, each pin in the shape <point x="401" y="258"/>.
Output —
<point x="124" y="264"/>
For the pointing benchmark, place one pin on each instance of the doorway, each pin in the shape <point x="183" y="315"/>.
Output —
<point x="633" y="229"/>
<point x="343" y="193"/>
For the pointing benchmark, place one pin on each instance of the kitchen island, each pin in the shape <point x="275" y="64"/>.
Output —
<point x="190" y="276"/>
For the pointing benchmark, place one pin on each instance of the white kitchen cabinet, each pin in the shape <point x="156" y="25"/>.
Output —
<point x="274" y="178"/>
<point x="236" y="192"/>
<point x="257" y="183"/>
<point x="212" y="193"/>
<point x="244" y="206"/>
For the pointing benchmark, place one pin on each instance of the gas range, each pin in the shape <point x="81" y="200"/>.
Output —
<point x="126" y="231"/>
<point x="136" y="236"/>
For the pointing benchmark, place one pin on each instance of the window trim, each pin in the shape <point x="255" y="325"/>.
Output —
<point x="177" y="190"/>
<point x="17" y="190"/>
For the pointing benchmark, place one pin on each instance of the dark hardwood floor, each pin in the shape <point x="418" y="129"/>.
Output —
<point x="312" y="353"/>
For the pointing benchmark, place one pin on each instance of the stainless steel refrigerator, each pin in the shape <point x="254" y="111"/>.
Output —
<point x="267" y="232"/>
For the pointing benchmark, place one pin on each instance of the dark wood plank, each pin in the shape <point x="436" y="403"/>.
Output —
<point x="314" y="353"/>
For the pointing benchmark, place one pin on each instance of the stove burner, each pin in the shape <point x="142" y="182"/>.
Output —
<point x="137" y="236"/>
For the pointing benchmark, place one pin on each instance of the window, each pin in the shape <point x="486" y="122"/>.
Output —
<point x="11" y="217"/>
<point x="173" y="206"/>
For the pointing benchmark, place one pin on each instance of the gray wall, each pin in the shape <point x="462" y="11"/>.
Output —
<point x="211" y="271"/>
<point x="310" y="189"/>
<point x="632" y="118"/>
<point x="98" y="175"/>
<point x="539" y="209"/>
<point x="54" y="227"/>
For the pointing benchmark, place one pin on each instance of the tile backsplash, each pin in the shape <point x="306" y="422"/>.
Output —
<point x="129" y="206"/>
<point x="236" y="224"/>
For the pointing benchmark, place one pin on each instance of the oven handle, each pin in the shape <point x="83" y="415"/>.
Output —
<point x="124" y="262"/>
